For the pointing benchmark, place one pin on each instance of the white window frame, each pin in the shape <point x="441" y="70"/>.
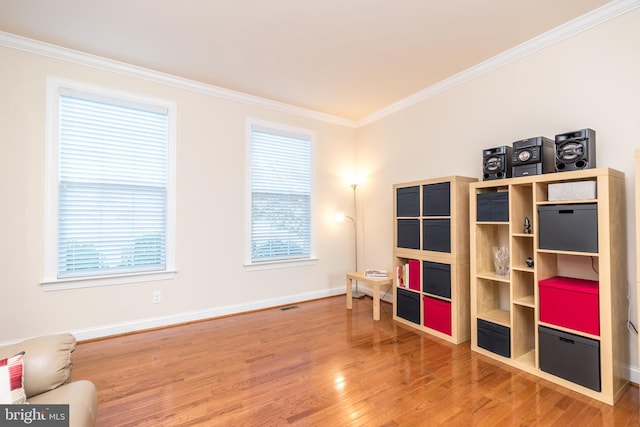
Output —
<point x="294" y="131"/>
<point x="51" y="282"/>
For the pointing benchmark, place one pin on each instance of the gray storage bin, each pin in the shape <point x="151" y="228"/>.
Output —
<point x="492" y="207"/>
<point x="409" y="233"/>
<point x="495" y="338"/>
<point x="576" y="190"/>
<point x="569" y="227"/>
<point x="436" y="235"/>
<point x="570" y="356"/>
<point x="408" y="201"/>
<point x="436" y="278"/>
<point x="436" y="199"/>
<point x="408" y="305"/>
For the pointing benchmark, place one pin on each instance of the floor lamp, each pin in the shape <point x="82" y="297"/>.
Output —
<point x="354" y="220"/>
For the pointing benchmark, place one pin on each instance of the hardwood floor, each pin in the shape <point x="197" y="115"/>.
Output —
<point x="318" y="364"/>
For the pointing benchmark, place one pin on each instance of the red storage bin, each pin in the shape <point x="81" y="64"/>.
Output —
<point x="570" y="303"/>
<point x="437" y="315"/>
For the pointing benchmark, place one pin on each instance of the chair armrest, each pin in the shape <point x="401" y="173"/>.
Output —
<point x="82" y="398"/>
<point x="47" y="361"/>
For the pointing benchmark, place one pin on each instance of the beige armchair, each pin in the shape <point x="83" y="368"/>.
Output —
<point x="47" y="374"/>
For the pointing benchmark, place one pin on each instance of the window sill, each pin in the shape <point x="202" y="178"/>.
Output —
<point x="121" y="279"/>
<point x="270" y="265"/>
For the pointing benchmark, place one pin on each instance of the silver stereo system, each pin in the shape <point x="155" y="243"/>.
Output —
<point x="533" y="156"/>
<point x="539" y="155"/>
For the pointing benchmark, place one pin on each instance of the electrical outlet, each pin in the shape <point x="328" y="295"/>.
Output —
<point x="157" y="297"/>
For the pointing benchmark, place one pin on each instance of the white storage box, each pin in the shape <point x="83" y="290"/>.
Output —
<point x="576" y="190"/>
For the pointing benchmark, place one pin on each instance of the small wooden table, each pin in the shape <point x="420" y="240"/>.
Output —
<point x="374" y="282"/>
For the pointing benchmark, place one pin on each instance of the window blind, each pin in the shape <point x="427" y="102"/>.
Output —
<point x="280" y="195"/>
<point x="112" y="188"/>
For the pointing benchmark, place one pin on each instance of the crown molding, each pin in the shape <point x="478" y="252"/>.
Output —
<point x="73" y="56"/>
<point x="583" y="23"/>
<point x="551" y="37"/>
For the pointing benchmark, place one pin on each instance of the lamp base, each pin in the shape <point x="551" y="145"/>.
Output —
<point x="358" y="295"/>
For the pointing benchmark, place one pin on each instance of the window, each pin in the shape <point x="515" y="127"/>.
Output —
<point x="110" y="195"/>
<point x="280" y="194"/>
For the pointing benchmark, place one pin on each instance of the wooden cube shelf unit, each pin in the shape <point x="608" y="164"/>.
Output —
<point x="506" y="309"/>
<point x="431" y="235"/>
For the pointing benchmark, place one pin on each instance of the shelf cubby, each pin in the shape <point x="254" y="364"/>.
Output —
<point x="524" y="335"/>
<point x="521" y="206"/>
<point x="488" y="236"/>
<point x="523" y="284"/>
<point x="492" y="301"/>
<point x="521" y="251"/>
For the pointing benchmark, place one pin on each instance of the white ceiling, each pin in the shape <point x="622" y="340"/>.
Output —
<point x="346" y="58"/>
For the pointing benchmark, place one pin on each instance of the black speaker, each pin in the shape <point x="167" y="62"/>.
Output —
<point x="533" y="156"/>
<point x="576" y="150"/>
<point x="496" y="163"/>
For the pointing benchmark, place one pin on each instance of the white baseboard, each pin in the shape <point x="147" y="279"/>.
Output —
<point x="156" y="322"/>
<point x="633" y="374"/>
<point x="384" y="294"/>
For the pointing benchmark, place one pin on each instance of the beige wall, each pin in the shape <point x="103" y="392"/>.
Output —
<point x="589" y="80"/>
<point x="211" y="279"/>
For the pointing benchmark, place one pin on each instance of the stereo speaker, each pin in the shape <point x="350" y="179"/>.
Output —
<point x="576" y="150"/>
<point x="496" y="163"/>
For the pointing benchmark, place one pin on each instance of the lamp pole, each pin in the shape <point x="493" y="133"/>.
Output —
<point x="357" y="294"/>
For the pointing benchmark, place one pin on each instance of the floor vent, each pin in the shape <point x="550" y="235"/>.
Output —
<point x="291" y="307"/>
